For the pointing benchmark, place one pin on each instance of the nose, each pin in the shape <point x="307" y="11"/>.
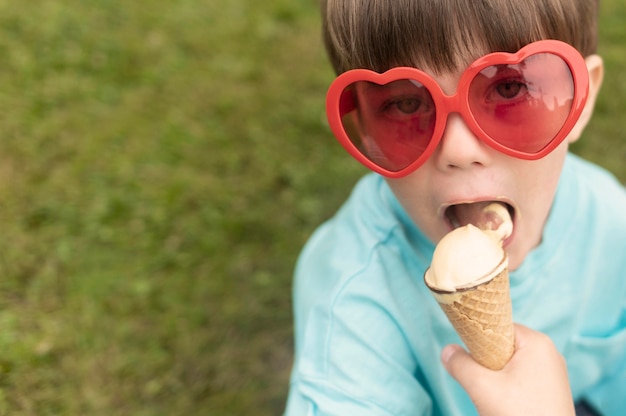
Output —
<point x="459" y="148"/>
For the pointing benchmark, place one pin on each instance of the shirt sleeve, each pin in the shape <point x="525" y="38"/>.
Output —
<point x="310" y="398"/>
<point x="367" y="332"/>
<point x="369" y="348"/>
<point x="355" y="361"/>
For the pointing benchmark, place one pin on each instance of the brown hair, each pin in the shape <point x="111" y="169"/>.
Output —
<point x="443" y="34"/>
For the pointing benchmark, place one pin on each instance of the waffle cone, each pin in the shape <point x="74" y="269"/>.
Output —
<point x="482" y="316"/>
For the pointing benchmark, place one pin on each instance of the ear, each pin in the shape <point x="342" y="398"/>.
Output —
<point x="595" y="67"/>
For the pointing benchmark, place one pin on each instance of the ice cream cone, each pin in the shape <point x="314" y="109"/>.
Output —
<point x="469" y="278"/>
<point x="482" y="316"/>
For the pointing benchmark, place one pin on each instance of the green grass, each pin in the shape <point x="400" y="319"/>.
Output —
<point x="161" y="165"/>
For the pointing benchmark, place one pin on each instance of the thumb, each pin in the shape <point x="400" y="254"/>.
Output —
<point x="462" y="367"/>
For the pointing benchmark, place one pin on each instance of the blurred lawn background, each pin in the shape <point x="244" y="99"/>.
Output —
<point x="161" y="165"/>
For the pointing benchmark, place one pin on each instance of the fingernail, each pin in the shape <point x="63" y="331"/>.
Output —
<point x="446" y="353"/>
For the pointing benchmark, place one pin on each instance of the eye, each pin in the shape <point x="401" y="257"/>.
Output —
<point x="401" y="108"/>
<point x="408" y="105"/>
<point x="510" y="89"/>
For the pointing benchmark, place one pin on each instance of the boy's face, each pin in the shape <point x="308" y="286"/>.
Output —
<point x="464" y="170"/>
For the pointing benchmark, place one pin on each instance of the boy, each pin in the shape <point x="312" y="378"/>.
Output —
<point x="450" y="126"/>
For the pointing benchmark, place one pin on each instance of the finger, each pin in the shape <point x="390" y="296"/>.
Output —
<point x="525" y="336"/>
<point x="536" y="344"/>
<point x="522" y="335"/>
<point x="462" y="367"/>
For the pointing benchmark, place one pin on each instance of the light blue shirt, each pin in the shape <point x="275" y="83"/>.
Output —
<point x="369" y="334"/>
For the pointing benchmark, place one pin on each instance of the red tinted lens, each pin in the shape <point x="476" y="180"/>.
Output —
<point x="390" y="124"/>
<point x="523" y="106"/>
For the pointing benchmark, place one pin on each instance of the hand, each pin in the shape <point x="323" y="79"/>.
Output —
<point x="534" y="382"/>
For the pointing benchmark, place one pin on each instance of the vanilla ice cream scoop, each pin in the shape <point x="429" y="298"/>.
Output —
<point x="465" y="257"/>
<point x="471" y="254"/>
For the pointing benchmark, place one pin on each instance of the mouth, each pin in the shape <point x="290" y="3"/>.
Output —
<point x="461" y="214"/>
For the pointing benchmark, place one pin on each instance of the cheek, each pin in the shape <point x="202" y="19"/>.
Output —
<point x="408" y="192"/>
<point x="536" y="181"/>
<point x="418" y="199"/>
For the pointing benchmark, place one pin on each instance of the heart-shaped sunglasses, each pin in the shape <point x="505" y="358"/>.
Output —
<point x="522" y="104"/>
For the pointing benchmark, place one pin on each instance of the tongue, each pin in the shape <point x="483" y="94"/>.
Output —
<point x="488" y="216"/>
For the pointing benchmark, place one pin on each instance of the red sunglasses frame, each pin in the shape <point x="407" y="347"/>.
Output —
<point x="338" y="103"/>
